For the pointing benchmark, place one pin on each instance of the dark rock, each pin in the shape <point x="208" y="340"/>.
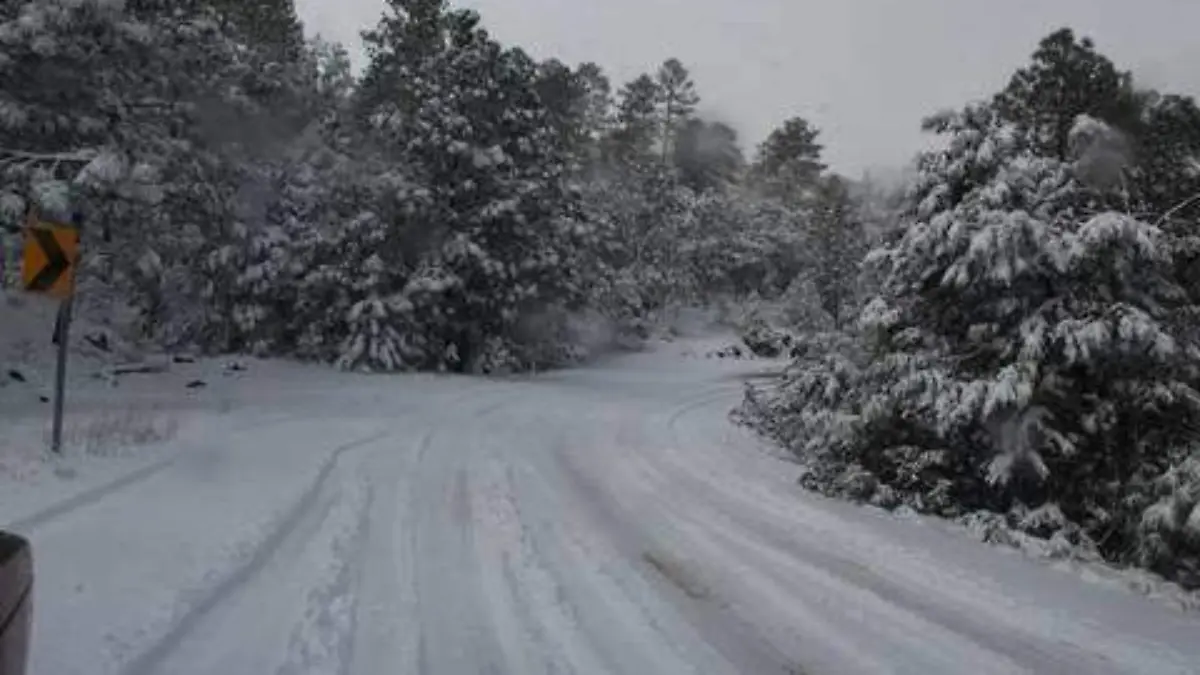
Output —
<point x="143" y="368"/>
<point x="196" y="384"/>
<point x="16" y="375"/>
<point x="99" y="341"/>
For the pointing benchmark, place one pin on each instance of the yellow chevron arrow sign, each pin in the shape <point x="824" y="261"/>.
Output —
<point x="51" y="252"/>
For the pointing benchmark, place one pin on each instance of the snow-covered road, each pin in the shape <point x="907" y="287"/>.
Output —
<point x="601" y="520"/>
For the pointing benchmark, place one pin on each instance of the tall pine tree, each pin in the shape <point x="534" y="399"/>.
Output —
<point x="836" y="245"/>
<point x="1067" y="78"/>
<point x="466" y="115"/>
<point x="637" y="126"/>
<point x="677" y="101"/>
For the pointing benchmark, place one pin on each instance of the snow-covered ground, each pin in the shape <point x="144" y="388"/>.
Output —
<point x="607" y="519"/>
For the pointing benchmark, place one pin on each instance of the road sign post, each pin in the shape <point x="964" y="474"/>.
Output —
<point x="51" y="252"/>
<point x="60" y="375"/>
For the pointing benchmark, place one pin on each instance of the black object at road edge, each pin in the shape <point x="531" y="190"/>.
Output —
<point x="16" y="598"/>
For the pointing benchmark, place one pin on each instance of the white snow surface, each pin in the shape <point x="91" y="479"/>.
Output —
<point x="608" y="519"/>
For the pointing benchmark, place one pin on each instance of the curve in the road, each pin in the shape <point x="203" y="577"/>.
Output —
<point x="612" y="521"/>
<point x="777" y="554"/>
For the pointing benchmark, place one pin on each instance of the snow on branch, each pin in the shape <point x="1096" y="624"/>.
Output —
<point x="22" y="159"/>
<point x="75" y="156"/>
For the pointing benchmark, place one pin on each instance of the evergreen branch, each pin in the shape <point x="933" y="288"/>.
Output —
<point x="1177" y="208"/>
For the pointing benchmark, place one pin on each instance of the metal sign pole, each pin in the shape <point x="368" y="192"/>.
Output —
<point x="60" y="377"/>
<point x="50" y="256"/>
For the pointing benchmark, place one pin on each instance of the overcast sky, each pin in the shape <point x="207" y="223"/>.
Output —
<point x="864" y="71"/>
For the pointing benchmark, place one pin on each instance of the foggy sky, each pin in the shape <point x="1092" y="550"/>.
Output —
<point x="864" y="71"/>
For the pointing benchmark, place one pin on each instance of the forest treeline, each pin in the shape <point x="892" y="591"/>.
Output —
<point x="452" y="207"/>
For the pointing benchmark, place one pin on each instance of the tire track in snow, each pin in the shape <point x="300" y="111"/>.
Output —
<point x="737" y="639"/>
<point x="775" y="550"/>
<point x="700" y="400"/>
<point x="552" y="607"/>
<point x="324" y="639"/>
<point x="327" y="638"/>
<point x="380" y="577"/>
<point x="486" y="652"/>
<point x="684" y="531"/>
<point x="736" y="643"/>
<point x="304" y="509"/>
<point x="97" y="494"/>
<point x="536" y="622"/>
<point x="92" y="496"/>
<point x="388" y="632"/>
<point x="88" y="497"/>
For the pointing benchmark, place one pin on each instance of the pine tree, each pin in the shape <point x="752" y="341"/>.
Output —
<point x="835" y="245"/>
<point x="788" y="162"/>
<point x="1070" y="79"/>
<point x="597" y="104"/>
<point x="467" y="117"/>
<point x="144" y="89"/>
<point x="403" y="44"/>
<point x="632" y="139"/>
<point x="1067" y="78"/>
<point x="1022" y="354"/>
<point x="564" y="95"/>
<point x="266" y="24"/>
<point x="1167" y="173"/>
<point x="334" y="87"/>
<point x="677" y="101"/>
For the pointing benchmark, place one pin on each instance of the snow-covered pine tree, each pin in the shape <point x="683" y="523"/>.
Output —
<point x="1166" y="177"/>
<point x="597" y="107"/>
<point x="324" y="277"/>
<point x="1165" y="181"/>
<point x="636" y="126"/>
<point x="1021" y="352"/>
<point x="152" y="193"/>
<point x="469" y="120"/>
<point x="621" y="219"/>
<point x="835" y="246"/>
<point x="787" y="165"/>
<point x="1169" y="530"/>
<point x="1055" y="321"/>
<point x="564" y="95"/>
<point x="677" y="100"/>
<point x="1067" y="78"/>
